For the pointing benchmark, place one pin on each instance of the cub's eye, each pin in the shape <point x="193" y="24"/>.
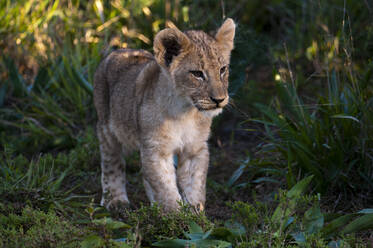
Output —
<point x="198" y="74"/>
<point x="223" y="70"/>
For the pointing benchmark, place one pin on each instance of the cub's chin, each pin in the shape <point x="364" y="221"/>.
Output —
<point x="212" y="112"/>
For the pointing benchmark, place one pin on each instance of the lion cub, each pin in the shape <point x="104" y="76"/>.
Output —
<point x="163" y="106"/>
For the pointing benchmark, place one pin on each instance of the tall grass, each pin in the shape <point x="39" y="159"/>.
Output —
<point x="319" y="119"/>
<point x="331" y="139"/>
<point x="321" y="124"/>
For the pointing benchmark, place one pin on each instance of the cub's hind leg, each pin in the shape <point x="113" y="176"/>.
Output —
<point x="113" y="177"/>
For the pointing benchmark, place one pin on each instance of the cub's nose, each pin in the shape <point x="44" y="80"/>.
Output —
<point x="217" y="100"/>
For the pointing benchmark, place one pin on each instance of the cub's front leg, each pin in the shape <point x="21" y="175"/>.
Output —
<point x="192" y="173"/>
<point x="160" y="177"/>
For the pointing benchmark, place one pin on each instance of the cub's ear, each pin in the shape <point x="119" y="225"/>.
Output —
<point x="168" y="44"/>
<point x="225" y="36"/>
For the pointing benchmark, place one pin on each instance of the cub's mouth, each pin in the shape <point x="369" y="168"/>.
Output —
<point x="206" y="108"/>
<point x="212" y="104"/>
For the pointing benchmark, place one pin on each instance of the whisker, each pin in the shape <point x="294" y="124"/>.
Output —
<point x="232" y="106"/>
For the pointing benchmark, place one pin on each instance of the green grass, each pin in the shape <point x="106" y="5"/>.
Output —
<point x="331" y="139"/>
<point x="61" y="182"/>
<point x="301" y="73"/>
<point x="318" y="120"/>
<point x="34" y="228"/>
<point x="296" y="221"/>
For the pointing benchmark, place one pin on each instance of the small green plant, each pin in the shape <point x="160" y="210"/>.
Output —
<point x="153" y="224"/>
<point x="297" y="219"/>
<point x="104" y="231"/>
<point x="106" y="226"/>
<point x="196" y="238"/>
<point x="34" y="228"/>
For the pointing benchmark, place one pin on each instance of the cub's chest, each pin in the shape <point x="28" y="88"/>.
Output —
<point x="184" y="131"/>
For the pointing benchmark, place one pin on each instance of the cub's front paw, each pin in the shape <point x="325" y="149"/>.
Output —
<point x="115" y="203"/>
<point x="196" y="204"/>
<point x="198" y="208"/>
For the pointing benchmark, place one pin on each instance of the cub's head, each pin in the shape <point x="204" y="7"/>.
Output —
<point x="198" y="63"/>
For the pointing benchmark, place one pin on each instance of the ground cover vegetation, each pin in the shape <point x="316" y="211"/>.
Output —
<point x="291" y="156"/>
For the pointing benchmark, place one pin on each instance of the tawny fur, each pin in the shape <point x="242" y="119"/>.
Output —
<point x="161" y="106"/>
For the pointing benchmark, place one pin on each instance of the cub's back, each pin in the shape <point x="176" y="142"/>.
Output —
<point x="116" y="75"/>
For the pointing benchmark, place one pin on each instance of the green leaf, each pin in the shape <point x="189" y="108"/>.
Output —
<point x="110" y="223"/>
<point x="333" y="227"/>
<point x="364" y="222"/>
<point x="194" y="236"/>
<point x="338" y="244"/>
<point x="82" y="81"/>
<point x="366" y="211"/>
<point x="295" y="192"/>
<point x="235" y="228"/>
<point x="222" y="233"/>
<point x="194" y="228"/>
<point x="207" y="234"/>
<point x="16" y="78"/>
<point x="92" y="242"/>
<point x="266" y="179"/>
<point x="280" y="213"/>
<point x="237" y="173"/>
<point x="288" y="222"/>
<point x="298" y="189"/>
<point x="207" y="243"/>
<point x="176" y="243"/>
<point x="313" y="219"/>
<point x="201" y="243"/>
<point x="41" y="79"/>
<point x="341" y="116"/>
<point x="123" y="245"/>
<point x="299" y="237"/>
<point x="3" y="90"/>
<point x="117" y="225"/>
